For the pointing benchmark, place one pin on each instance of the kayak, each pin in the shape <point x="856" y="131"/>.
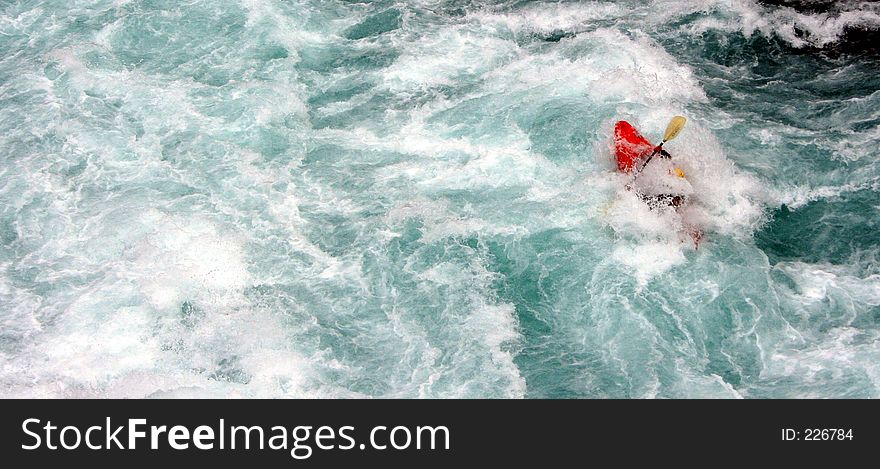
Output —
<point x="631" y="150"/>
<point x="629" y="146"/>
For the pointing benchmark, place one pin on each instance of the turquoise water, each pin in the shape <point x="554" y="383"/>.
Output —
<point x="417" y="199"/>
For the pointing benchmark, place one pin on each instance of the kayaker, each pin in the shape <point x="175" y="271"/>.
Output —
<point x="660" y="183"/>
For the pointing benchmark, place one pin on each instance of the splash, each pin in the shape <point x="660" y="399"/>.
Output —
<point x="418" y="199"/>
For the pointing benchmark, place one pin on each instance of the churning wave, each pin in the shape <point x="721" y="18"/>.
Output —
<point x="417" y="199"/>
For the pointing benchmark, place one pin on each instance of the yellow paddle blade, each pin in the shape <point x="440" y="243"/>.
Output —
<point x="674" y="127"/>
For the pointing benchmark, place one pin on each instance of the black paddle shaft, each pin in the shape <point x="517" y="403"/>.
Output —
<point x="660" y="150"/>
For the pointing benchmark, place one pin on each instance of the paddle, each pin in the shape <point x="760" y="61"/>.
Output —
<point x="672" y="130"/>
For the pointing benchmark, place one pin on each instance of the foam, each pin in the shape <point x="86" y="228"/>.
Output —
<point x="21" y="307"/>
<point x="451" y="163"/>
<point x="430" y="63"/>
<point x="499" y="328"/>
<point x="650" y="258"/>
<point x="821" y="29"/>
<point x="189" y="249"/>
<point x="817" y="282"/>
<point x="104" y="349"/>
<point x="691" y="385"/>
<point x="606" y="65"/>
<point x="548" y="17"/>
<point x="841" y="363"/>
<point x="287" y="30"/>
<point x="796" y="197"/>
